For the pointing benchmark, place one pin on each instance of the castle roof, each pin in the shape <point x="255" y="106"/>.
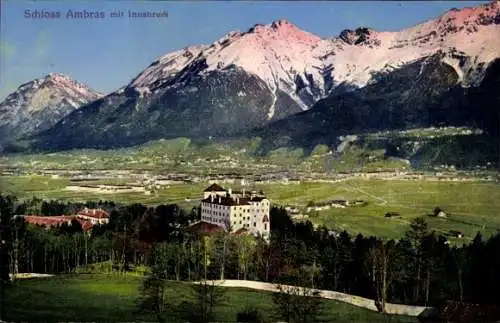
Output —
<point x="257" y="198"/>
<point x="227" y="201"/>
<point x="214" y="188"/>
<point x="202" y="227"/>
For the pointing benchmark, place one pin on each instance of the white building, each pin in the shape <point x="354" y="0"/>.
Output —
<point x="237" y="212"/>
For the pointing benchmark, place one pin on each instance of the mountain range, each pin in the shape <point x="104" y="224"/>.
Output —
<point x="283" y="84"/>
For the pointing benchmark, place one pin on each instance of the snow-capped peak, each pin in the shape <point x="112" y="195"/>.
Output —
<point x="306" y="67"/>
<point x="482" y="15"/>
<point x="283" y="28"/>
<point x="40" y="103"/>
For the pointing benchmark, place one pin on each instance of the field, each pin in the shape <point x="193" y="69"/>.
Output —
<point x="112" y="298"/>
<point x="471" y="206"/>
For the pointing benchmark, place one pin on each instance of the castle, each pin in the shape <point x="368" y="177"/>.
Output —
<point x="237" y="212"/>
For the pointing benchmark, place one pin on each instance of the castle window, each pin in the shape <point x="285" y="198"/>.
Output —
<point x="265" y="226"/>
<point x="254" y="224"/>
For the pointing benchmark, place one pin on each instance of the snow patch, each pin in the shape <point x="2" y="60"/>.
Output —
<point x="272" y="108"/>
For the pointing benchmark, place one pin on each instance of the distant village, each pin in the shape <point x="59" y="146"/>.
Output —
<point x="144" y="181"/>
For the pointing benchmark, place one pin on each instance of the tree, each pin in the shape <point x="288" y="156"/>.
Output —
<point x="459" y="257"/>
<point x="6" y="236"/>
<point x="206" y="296"/>
<point x="250" y="315"/>
<point x="194" y="257"/>
<point x="263" y="257"/>
<point x="311" y="271"/>
<point x="245" y="245"/>
<point x="344" y="246"/>
<point x="435" y="252"/>
<point x="153" y="295"/>
<point x="415" y="236"/>
<point x="381" y="258"/>
<point x="207" y="248"/>
<point x="17" y="226"/>
<point x="297" y="304"/>
<point x="153" y="292"/>
<point x="179" y="256"/>
<point x="221" y="251"/>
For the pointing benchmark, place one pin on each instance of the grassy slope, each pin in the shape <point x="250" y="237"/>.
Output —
<point x="473" y="206"/>
<point x="112" y="298"/>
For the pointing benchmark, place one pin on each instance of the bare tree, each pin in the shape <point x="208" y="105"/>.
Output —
<point x="311" y="271"/>
<point x="207" y="246"/>
<point x="245" y="248"/>
<point x="381" y="257"/>
<point x="221" y="248"/>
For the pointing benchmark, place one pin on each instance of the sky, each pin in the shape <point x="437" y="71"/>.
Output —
<point x="107" y="53"/>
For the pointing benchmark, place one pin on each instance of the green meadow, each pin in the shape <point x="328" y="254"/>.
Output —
<point x="112" y="298"/>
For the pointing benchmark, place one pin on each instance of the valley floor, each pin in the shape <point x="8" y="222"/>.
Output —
<point x="470" y="206"/>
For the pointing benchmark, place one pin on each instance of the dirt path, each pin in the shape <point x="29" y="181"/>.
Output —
<point x="352" y="188"/>
<point x="398" y="309"/>
<point x="30" y="275"/>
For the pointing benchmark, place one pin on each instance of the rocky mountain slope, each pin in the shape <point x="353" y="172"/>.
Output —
<point x="270" y="73"/>
<point x="38" y="105"/>
<point x="425" y="93"/>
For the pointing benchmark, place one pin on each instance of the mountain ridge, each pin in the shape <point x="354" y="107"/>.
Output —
<point x="249" y="80"/>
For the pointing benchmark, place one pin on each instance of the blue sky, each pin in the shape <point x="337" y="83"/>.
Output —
<point x="107" y="53"/>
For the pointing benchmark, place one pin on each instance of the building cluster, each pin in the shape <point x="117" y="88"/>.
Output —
<point x="86" y="217"/>
<point x="237" y="212"/>
<point x="342" y="204"/>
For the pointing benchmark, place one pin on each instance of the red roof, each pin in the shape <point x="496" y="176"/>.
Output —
<point x="241" y="231"/>
<point x="49" y="221"/>
<point x="203" y="227"/>
<point x="86" y="225"/>
<point x="94" y="213"/>
<point x="54" y="221"/>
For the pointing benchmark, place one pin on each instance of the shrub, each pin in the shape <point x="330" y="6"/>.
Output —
<point x="250" y="314"/>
